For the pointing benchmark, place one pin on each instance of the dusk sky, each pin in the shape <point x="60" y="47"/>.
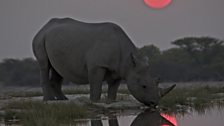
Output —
<point x="21" y="19"/>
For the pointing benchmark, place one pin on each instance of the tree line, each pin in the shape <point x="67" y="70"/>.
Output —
<point x="19" y="72"/>
<point x="192" y="59"/>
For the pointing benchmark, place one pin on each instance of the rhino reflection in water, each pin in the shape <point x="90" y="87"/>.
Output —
<point x="153" y="118"/>
<point x="147" y="118"/>
<point x="112" y="122"/>
<point x="92" y="53"/>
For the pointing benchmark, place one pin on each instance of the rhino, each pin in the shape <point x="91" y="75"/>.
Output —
<point x="90" y="53"/>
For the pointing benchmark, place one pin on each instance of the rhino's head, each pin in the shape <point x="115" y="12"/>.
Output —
<point x="141" y="85"/>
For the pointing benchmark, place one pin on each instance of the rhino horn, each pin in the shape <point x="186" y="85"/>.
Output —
<point x="163" y="92"/>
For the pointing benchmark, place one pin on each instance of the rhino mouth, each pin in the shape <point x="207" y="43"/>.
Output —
<point x="162" y="93"/>
<point x="150" y="104"/>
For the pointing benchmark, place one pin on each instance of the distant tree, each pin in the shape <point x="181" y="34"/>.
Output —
<point x="151" y="51"/>
<point x="201" y="49"/>
<point x="207" y="54"/>
<point x="174" y="65"/>
<point x="19" y="72"/>
<point x="193" y="59"/>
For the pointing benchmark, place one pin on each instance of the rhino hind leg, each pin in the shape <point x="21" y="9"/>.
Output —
<point x="45" y="66"/>
<point x="56" y="82"/>
<point x="51" y="85"/>
<point x="113" y="86"/>
<point x="48" y="92"/>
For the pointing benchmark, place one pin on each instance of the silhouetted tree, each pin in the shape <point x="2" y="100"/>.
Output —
<point x="19" y="72"/>
<point x="194" y="58"/>
<point x="151" y="51"/>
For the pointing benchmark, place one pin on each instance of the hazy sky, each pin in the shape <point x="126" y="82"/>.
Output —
<point x="21" y="19"/>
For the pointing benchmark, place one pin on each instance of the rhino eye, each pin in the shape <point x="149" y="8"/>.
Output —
<point x="144" y="86"/>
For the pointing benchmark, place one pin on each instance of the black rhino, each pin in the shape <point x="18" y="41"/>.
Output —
<point x="92" y="53"/>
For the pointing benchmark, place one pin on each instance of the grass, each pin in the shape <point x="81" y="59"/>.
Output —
<point x="181" y="96"/>
<point x="25" y="94"/>
<point x="44" y="114"/>
<point x="2" y="116"/>
<point x="193" y="97"/>
<point x="66" y="91"/>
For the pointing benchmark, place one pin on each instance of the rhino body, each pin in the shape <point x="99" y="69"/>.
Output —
<point x="90" y="53"/>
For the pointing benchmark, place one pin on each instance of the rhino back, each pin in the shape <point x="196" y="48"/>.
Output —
<point x="74" y="47"/>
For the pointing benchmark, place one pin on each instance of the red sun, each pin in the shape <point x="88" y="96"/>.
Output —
<point x="157" y="4"/>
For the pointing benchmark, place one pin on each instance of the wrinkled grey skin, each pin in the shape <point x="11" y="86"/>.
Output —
<point x="92" y="53"/>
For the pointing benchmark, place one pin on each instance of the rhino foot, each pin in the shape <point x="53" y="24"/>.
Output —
<point x="49" y="98"/>
<point x="62" y="97"/>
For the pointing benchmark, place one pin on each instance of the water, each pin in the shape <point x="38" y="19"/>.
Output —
<point x="208" y="117"/>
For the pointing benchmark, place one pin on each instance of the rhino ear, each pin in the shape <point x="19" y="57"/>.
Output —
<point x="134" y="59"/>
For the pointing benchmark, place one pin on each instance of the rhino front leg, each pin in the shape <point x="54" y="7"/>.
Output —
<point x="113" y="86"/>
<point x="96" y="76"/>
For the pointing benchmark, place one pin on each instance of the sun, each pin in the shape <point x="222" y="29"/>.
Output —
<point x="157" y="4"/>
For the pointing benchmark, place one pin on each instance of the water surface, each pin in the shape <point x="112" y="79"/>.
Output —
<point x="208" y="117"/>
